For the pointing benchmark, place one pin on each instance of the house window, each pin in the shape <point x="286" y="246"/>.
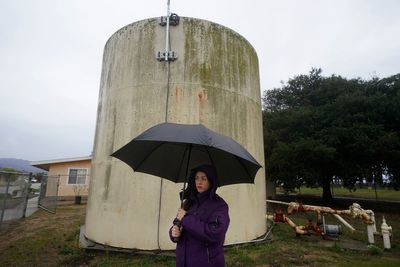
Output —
<point x="77" y="176"/>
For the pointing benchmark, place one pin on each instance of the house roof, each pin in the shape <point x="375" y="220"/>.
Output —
<point x="45" y="164"/>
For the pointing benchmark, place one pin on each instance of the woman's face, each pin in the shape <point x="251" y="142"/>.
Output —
<point x="202" y="183"/>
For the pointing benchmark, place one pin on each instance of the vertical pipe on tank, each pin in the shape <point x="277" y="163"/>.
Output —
<point x="166" y="116"/>
<point x="167" y="34"/>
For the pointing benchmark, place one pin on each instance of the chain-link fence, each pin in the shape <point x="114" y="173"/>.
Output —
<point x="49" y="193"/>
<point x="21" y="194"/>
<point x="14" y="195"/>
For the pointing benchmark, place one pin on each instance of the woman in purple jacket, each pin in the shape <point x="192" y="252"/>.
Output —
<point x="199" y="229"/>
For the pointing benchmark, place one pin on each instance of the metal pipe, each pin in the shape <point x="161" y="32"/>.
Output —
<point x="278" y="202"/>
<point x="269" y="217"/>
<point x="167" y="33"/>
<point x="345" y="223"/>
<point x="354" y="210"/>
<point x="337" y="216"/>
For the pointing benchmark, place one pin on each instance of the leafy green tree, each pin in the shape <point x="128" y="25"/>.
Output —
<point x="319" y="128"/>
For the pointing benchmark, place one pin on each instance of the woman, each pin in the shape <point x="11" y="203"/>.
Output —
<point x="199" y="229"/>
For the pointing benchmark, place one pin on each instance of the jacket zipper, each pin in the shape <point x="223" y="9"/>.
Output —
<point x="208" y="256"/>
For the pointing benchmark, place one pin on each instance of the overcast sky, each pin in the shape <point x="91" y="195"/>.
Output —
<point x="51" y="54"/>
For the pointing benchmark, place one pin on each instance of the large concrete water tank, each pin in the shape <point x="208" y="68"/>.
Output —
<point x="215" y="82"/>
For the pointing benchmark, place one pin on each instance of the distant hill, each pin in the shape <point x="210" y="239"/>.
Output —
<point x="19" y="165"/>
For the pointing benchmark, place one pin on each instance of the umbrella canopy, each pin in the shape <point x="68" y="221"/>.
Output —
<point x="168" y="150"/>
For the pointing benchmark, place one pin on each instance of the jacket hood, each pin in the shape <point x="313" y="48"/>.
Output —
<point x="211" y="173"/>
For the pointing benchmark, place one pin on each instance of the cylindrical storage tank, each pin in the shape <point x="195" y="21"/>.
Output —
<point x="215" y="82"/>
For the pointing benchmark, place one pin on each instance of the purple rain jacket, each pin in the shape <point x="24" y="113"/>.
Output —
<point x="204" y="225"/>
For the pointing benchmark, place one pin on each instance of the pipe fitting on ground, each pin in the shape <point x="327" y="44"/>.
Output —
<point x="386" y="233"/>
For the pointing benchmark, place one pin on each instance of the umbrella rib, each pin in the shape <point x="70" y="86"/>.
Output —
<point x="212" y="162"/>
<point x="187" y="167"/>
<point x="180" y="166"/>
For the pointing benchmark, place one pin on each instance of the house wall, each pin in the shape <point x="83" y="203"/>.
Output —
<point x="61" y="170"/>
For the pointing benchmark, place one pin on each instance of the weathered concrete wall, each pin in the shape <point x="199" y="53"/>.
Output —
<point x="215" y="82"/>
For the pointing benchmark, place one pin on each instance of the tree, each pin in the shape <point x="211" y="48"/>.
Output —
<point x="318" y="128"/>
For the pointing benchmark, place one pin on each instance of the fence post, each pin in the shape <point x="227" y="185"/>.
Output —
<point x="43" y="187"/>
<point x="5" y="199"/>
<point x="27" y="195"/>
<point x="58" y="185"/>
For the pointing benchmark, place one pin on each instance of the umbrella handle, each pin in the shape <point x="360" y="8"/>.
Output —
<point x="179" y="224"/>
<point x="185" y="204"/>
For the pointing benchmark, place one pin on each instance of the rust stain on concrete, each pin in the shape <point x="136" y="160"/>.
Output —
<point x="203" y="104"/>
<point x="202" y="96"/>
<point x="178" y="94"/>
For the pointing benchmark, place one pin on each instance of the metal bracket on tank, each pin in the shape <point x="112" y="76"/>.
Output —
<point x="173" y="20"/>
<point x="172" y="56"/>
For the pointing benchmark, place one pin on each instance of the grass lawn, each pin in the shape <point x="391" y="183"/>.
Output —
<point x="365" y="192"/>
<point x="52" y="240"/>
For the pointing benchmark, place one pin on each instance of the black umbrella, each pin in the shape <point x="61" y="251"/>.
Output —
<point x="169" y="150"/>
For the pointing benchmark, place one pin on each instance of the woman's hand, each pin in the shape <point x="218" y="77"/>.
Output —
<point x="176" y="231"/>
<point x="181" y="214"/>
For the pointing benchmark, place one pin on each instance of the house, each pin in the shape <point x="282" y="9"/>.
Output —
<point x="66" y="177"/>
